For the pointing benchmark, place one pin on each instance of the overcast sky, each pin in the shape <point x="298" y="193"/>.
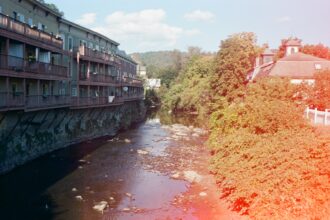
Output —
<point x="149" y="25"/>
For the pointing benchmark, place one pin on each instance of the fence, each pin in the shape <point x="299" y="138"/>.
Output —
<point x="318" y="117"/>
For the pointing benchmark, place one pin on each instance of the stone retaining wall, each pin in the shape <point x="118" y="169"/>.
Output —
<point x="25" y="136"/>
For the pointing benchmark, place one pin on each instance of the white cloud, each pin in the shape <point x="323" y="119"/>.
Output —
<point x="199" y="15"/>
<point x="86" y="19"/>
<point x="284" y="19"/>
<point x="146" y="29"/>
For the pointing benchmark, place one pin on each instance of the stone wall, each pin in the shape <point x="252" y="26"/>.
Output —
<point x="27" y="135"/>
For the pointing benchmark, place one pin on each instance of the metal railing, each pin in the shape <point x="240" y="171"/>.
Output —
<point x="94" y="101"/>
<point x="97" y="78"/>
<point x="132" y="81"/>
<point x="133" y="97"/>
<point x="18" y="27"/>
<point x="11" y="100"/>
<point x="22" y="65"/>
<point x="18" y="100"/>
<point x="88" y="52"/>
<point x="42" y="101"/>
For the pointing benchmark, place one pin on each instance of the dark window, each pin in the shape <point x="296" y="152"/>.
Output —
<point x="14" y="88"/>
<point x="27" y="89"/>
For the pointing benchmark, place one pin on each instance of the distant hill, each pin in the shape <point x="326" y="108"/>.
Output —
<point x="160" y="59"/>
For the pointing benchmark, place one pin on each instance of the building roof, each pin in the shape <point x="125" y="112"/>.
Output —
<point x="297" y="66"/>
<point x="291" y="42"/>
<point x="302" y="57"/>
<point x="123" y="54"/>
<point x="88" y="30"/>
<point x="45" y="7"/>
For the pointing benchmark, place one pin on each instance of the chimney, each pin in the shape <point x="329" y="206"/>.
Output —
<point x="291" y="45"/>
<point x="268" y="55"/>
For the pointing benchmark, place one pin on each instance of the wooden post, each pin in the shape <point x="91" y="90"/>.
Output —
<point x="7" y="89"/>
<point x="24" y="91"/>
<point x="38" y="91"/>
<point x="315" y="115"/>
<point x="6" y="53"/>
<point x="325" y="117"/>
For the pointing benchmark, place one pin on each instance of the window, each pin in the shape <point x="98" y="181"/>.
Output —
<point x="70" y="43"/>
<point x="74" y="91"/>
<point x="30" y="22"/>
<point x="20" y="17"/>
<point x="318" y="66"/>
<point x="39" y="26"/>
<point x="90" y="45"/>
<point x="15" y="15"/>
<point x="14" y="89"/>
<point x="27" y="88"/>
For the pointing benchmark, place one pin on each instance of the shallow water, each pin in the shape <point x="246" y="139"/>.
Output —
<point x="106" y="169"/>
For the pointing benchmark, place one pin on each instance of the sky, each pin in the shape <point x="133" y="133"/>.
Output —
<point x="153" y="25"/>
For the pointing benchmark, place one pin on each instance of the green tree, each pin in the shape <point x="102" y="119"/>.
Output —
<point x="51" y="6"/>
<point x="318" y="50"/>
<point x="235" y="58"/>
<point x="320" y="96"/>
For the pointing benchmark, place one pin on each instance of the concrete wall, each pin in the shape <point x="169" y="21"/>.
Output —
<point x="28" y="135"/>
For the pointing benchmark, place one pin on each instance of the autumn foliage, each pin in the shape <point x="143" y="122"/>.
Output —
<point x="269" y="162"/>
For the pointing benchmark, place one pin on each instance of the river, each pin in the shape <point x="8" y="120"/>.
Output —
<point x="155" y="170"/>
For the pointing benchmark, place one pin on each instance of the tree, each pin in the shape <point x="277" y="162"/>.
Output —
<point x="320" y="96"/>
<point x="234" y="59"/>
<point x="318" y="50"/>
<point x="51" y="6"/>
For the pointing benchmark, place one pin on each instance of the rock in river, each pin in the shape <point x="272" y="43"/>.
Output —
<point x="192" y="176"/>
<point x="101" y="206"/>
<point x="143" y="152"/>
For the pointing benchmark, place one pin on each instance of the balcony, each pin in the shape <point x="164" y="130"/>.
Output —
<point x="93" y="102"/>
<point x="10" y="101"/>
<point x="19" y="67"/>
<point x="100" y="78"/>
<point x="132" y="81"/>
<point x="42" y="102"/>
<point x="25" y="30"/>
<point x="133" y="97"/>
<point x="94" y="55"/>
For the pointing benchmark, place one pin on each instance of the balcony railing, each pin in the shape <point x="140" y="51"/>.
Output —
<point x="18" y="101"/>
<point x="92" y="53"/>
<point x="22" y="65"/>
<point x="11" y="100"/>
<point x="97" y="78"/>
<point x="25" y="30"/>
<point x="43" y="101"/>
<point x="95" y="101"/>
<point x="132" y="81"/>
<point x="133" y="97"/>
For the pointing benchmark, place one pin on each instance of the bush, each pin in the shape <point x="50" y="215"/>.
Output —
<point x="267" y="158"/>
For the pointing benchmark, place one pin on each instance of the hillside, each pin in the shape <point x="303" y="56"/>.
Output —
<point x="161" y="59"/>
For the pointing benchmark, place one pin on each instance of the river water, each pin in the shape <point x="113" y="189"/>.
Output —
<point x="140" y="174"/>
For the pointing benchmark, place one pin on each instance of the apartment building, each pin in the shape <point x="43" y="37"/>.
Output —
<point x="47" y="61"/>
<point x="33" y="74"/>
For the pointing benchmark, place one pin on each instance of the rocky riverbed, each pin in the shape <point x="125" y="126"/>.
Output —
<point x="153" y="171"/>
